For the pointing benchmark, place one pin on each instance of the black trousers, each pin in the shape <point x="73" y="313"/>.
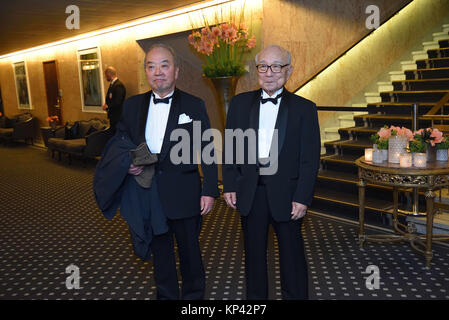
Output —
<point x="186" y="232"/>
<point x="293" y="265"/>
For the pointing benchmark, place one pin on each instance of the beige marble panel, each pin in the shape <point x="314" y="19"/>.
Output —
<point x="354" y="71"/>
<point x="316" y="32"/>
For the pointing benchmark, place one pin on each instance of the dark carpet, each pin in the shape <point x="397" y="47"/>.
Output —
<point x="49" y="221"/>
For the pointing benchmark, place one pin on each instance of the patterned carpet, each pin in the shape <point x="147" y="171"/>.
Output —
<point x="49" y="221"/>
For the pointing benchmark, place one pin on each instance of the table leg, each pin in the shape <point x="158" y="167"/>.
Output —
<point x="395" y="208"/>
<point x="362" y="186"/>
<point x="430" y="196"/>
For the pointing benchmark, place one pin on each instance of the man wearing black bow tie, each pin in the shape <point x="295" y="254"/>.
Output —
<point x="152" y="117"/>
<point x="280" y="198"/>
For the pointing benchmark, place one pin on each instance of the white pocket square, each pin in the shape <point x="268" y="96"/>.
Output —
<point x="183" y="118"/>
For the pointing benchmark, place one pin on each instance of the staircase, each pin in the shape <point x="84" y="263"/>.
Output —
<point x="424" y="81"/>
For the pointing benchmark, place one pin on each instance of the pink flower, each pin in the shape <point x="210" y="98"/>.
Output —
<point x="205" y="31"/>
<point x="420" y="131"/>
<point x="407" y="133"/>
<point x="437" y="135"/>
<point x="397" y="129"/>
<point x="251" y="42"/>
<point x="243" y="28"/>
<point x="384" y="133"/>
<point x="216" y="31"/>
<point x="191" y="39"/>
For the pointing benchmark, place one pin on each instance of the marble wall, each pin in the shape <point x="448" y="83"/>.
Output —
<point x="317" y="32"/>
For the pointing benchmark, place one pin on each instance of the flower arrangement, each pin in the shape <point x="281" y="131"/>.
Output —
<point x="381" y="137"/>
<point x="429" y="136"/>
<point x="51" y="119"/>
<point x="223" y="46"/>
<point x="444" y="144"/>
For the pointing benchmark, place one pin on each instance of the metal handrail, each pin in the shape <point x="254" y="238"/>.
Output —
<point x="336" y="108"/>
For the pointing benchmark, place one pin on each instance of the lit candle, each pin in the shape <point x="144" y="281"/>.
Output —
<point x="420" y="160"/>
<point x="369" y="154"/>
<point x="378" y="156"/>
<point x="405" y="160"/>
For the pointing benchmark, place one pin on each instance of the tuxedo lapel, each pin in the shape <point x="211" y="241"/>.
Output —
<point x="172" y="123"/>
<point x="254" y="122"/>
<point x="144" y="115"/>
<point x="281" y="120"/>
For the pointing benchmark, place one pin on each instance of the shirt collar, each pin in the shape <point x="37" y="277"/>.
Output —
<point x="266" y="95"/>
<point x="168" y="95"/>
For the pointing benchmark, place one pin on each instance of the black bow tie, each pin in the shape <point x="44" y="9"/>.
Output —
<point x="163" y="100"/>
<point x="273" y="100"/>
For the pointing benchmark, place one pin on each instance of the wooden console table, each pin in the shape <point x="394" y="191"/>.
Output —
<point x="434" y="176"/>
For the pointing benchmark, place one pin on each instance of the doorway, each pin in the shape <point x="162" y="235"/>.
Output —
<point x="54" y="96"/>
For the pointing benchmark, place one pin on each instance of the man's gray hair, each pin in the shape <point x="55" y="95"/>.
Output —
<point x="167" y="47"/>
<point x="284" y="52"/>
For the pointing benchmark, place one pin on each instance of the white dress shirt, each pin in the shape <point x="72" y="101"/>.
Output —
<point x="268" y="113"/>
<point x="157" y="123"/>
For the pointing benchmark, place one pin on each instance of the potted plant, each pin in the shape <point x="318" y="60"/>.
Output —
<point x="442" y="150"/>
<point x="380" y="141"/>
<point x="52" y="121"/>
<point x="397" y="142"/>
<point x="418" y="150"/>
<point x="223" y="46"/>
<point x="430" y="137"/>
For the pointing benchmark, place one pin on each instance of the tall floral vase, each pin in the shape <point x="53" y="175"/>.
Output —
<point x="225" y="90"/>
<point x="396" y="146"/>
<point x="431" y="153"/>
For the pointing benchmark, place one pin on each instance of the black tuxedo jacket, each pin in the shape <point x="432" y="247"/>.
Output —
<point x="298" y="154"/>
<point x="179" y="185"/>
<point x="114" y="99"/>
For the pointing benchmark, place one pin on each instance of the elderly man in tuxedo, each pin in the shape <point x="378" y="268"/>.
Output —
<point x="151" y="117"/>
<point x="280" y="197"/>
<point x="114" y="97"/>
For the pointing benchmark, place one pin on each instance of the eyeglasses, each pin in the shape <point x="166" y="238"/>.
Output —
<point x="275" y="68"/>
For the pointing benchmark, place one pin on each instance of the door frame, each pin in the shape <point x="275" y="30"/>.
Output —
<point x="58" y="83"/>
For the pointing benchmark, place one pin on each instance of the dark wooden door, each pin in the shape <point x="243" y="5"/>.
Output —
<point x="1" y="103"/>
<point x="54" y="99"/>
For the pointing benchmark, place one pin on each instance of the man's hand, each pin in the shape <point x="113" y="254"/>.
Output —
<point x="298" y="210"/>
<point x="231" y="199"/>
<point x="105" y="107"/>
<point x="207" y="203"/>
<point x="135" y="170"/>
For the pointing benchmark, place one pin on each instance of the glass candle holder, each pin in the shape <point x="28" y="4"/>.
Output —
<point x="396" y="146"/>
<point x="420" y="160"/>
<point x="369" y="154"/>
<point x="378" y="156"/>
<point x="405" y="160"/>
<point x="442" y="155"/>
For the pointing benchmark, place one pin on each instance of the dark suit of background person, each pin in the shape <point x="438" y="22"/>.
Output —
<point x="114" y="98"/>
<point x="265" y="199"/>
<point x="180" y="188"/>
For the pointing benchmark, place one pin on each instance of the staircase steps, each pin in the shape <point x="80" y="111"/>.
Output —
<point x="423" y="81"/>
<point x="427" y="73"/>
<point x="413" y="96"/>
<point x="421" y="85"/>
<point x="432" y="63"/>
<point x="403" y="108"/>
<point x="438" y="53"/>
